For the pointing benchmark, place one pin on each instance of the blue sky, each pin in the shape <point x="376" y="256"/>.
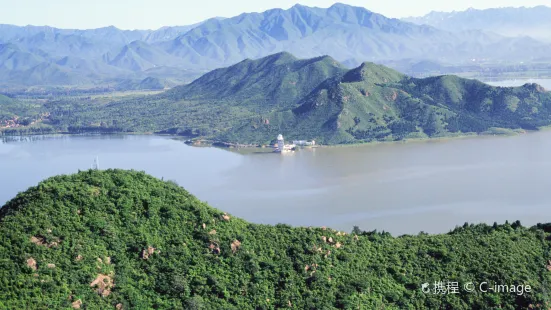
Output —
<point x="148" y="14"/>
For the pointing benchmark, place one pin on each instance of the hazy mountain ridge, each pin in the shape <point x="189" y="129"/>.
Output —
<point x="140" y="56"/>
<point x="534" y="22"/>
<point x="349" y="34"/>
<point x="104" y="53"/>
<point x="342" y="31"/>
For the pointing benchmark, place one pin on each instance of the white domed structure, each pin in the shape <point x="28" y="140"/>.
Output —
<point x="280" y="143"/>
<point x="281" y="147"/>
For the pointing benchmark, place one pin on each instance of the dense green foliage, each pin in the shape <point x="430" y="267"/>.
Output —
<point x="10" y="108"/>
<point x="158" y="247"/>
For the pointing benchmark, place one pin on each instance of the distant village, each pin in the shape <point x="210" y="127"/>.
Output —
<point x="10" y="123"/>
<point x="17" y="122"/>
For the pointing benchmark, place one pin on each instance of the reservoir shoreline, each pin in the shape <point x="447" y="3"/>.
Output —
<point x="223" y="144"/>
<point x="402" y="188"/>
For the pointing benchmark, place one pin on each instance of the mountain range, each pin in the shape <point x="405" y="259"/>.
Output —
<point x="253" y="101"/>
<point x="35" y="55"/>
<point x="533" y="22"/>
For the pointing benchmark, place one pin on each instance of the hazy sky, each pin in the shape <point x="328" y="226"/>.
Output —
<point x="152" y="14"/>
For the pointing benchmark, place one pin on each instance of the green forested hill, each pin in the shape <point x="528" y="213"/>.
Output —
<point x="124" y="240"/>
<point x="276" y="81"/>
<point x="213" y="104"/>
<point x="255" y="100"/>
<point x="375" y="103"/>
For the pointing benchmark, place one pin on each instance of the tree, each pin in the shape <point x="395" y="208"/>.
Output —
<point x="433" y="125"/>
<point x="194" y="303"/>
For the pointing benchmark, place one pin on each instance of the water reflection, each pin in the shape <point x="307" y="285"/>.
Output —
<point x="546" y="83"/>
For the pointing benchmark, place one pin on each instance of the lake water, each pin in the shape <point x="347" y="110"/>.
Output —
<point x="402" y="188"/>
<point x="546" y="83"/>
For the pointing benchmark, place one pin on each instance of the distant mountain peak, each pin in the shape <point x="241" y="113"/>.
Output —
<point x="344" y="5"/>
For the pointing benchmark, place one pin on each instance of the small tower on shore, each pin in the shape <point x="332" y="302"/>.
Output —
<point x="280" y="143"/>
<point x="95" y="165"/>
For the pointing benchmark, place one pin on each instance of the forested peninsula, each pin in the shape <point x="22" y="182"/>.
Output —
<point x="120" y="239"/>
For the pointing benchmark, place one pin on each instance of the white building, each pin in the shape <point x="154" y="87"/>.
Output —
<point x="280" y="143"/>
<point x="304" y="143"/>
<point x="281" y="147"/>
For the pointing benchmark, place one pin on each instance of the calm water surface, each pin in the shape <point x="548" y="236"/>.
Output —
<point x="546" y="83"/>
<point x="401" y="188"/>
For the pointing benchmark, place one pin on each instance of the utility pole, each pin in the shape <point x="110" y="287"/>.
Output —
<point x="95" y="166"/>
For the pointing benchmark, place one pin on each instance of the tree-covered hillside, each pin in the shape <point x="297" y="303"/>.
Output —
<point x="278" y="81"/>
<point x="375" y="103"/>
<point x="218" y="101"/>
<point x="124" y="240"/>
<point x="255" y="100"/>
